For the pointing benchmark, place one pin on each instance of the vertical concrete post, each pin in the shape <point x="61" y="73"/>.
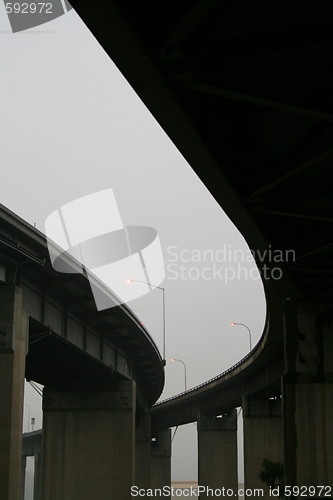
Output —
<point x="23" y="469"/>
<point x="307" y="387"/>
<point x="13" y="350"/>
<point x="308" y="432"/>
<point x="38" y="477"/>
<point x="263" y="437"/>
<point x="143" y="452"/>
<point x="89" y="444"/>
<point x="217" y="452"/>
<point x="161" y="459"/>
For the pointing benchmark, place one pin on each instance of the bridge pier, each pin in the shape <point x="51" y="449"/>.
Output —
<point x="23" y="473"/>
<point x="88" y="444"/>
<point x="13" y="350"/>
<point x="161" y="459"/>
<point x="308" y="432"/>
<point x="217" y="452"/>
<point x="263" y="437"/>
<point x="143" y="453"/>
<point x="38" y="477"/>
<point x="307" y="388"/>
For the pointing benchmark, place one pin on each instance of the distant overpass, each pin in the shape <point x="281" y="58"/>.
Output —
<point x="100" y="370"/>
<point x="71" y="344"/>
<point x="260" y="372"/>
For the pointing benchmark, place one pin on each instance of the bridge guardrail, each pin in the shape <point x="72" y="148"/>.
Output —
<point x="228" y="370"/>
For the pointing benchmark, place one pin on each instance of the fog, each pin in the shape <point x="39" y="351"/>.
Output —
<point x="71" y="125"/>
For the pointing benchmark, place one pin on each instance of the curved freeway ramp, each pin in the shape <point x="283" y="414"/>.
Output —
<point x="100" y="370"/>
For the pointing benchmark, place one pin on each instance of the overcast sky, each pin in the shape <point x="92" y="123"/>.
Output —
<point x="70" y="126"/>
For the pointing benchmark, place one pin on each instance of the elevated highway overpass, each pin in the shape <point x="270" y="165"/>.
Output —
<point x="100" y="370"/>
<point x="244" y="91"/>
<point x="71" y="345"/>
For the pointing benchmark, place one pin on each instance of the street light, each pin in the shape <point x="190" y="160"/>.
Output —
<point x="248" y="329"/>
<point x="180" y="361"/>
<point x="163" y="290"/>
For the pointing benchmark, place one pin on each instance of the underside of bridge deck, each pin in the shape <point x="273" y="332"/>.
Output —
<point x="244" y="90"/>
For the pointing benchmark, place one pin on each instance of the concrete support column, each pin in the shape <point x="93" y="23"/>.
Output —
<point x="143" y="452"/>
<point x="23" y="469"/>
<point x="161" y="459"/>
<point x="88" y="444"/>
<point x="307" y="387"/>
<point x="13" y="350"/>
<point x="217" y="452"/>
<point x="38" y="477"/>
<point x="308" y="432"/>
<point x="263" y="437"/>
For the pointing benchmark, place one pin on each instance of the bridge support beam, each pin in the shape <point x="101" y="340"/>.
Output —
<point x="308" y="432"/>
<point x="143" y="452"/>
<point x="13" y="350"/>
<point x="217" y="452"/>
<point x="263" y="437"/>
<point x="307" y="393"/>
<point x="38" y="477"/>
<point x="88" y="444"/>
<point x="161" y="459"/>
<point x="23" y="474"/>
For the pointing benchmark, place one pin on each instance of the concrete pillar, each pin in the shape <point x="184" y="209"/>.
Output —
<point x="38" y="477"/>
<point x="143" y="452"/>
<point x="217" y="452"/>
<point x="23" y="469"/>
<point x="161" y="459"/>
<point x="308" y="433"/>
<point x="307" y="387"/>
<point x="88" y="444"/>
<point x="263" y="437"/>
<point x="13" y="350"/>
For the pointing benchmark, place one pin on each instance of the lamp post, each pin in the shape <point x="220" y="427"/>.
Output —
<point x="180" y="361"/>
<point x="163" y="291"/>
<point x="248" y="329"/>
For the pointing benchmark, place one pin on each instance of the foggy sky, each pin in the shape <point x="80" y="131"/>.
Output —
<point x="71" y="125"/>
